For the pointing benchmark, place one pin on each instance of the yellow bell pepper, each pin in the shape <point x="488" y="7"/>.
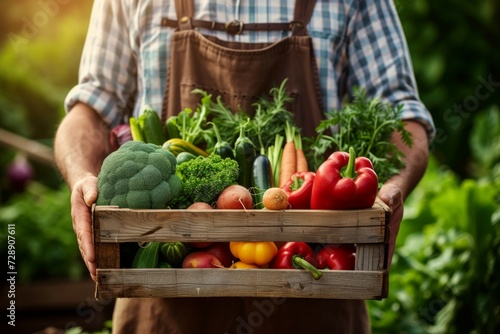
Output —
<point x="259" y="253"/>
<point x="243" y="265"/>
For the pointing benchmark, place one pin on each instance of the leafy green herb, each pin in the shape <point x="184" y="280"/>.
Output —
<point x="192" y="123"/>
<point x="366" y="125"/>
<point x="269" y="117"/>
<point x="227" y="121"/>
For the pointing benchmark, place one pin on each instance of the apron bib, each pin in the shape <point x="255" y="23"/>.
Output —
<point x="243" y="72"/>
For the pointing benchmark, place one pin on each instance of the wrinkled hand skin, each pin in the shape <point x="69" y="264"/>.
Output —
<point x="84" y="194"/>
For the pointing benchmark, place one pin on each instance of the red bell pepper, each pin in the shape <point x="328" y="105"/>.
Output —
<point x="299" y="190"/>
<point x="337" y="257"/>
<point x="296" y="255"/>
<point x="355" y="188"/>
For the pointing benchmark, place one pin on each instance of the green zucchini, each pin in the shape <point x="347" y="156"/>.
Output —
<point x="244" y="154"/>
<point x="147" y="256"/>
<point x="262" y="179"/>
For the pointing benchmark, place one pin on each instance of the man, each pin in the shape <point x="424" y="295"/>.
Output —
<point x="154" y="52"/>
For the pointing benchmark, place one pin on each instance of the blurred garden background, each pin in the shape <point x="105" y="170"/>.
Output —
<point x="446" y="271"/>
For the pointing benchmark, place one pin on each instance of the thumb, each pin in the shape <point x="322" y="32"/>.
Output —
<point x="89" y="190"/>
<point x="389" y="193"/>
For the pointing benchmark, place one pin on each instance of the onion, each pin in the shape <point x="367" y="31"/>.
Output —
<point x="275" y="199"/>
<point x="19" y="173"/>
<point x="119" y="135"/>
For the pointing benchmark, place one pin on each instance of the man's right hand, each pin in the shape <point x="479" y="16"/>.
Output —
<point x="84" y="194"/>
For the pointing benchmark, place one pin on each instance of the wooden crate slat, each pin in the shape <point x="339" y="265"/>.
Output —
<point x="236" y="218"/>
<point x="169" y="283"/>
<point x="369" y="234"/>
<point x="125" y="225"/>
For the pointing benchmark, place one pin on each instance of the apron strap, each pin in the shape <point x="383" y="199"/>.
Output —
<point x="301" y="16"/>
<point x="185" y="12"/>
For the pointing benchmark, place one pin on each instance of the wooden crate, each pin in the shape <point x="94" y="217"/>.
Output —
<point x="366" y="228"/>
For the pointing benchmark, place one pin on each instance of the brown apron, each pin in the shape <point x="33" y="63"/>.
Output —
<point x="240" y="73"/>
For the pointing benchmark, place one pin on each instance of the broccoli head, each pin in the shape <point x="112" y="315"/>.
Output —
<point x="203" y="179"/>
<point x="138" y="176"/>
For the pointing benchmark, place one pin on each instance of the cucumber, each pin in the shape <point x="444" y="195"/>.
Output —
<point x="262" y="179"/>
<point x="152" y="127"/>
<point x="171" y="129"/>
<point x="147" y="256"/>
<point x="244" y="154"/>
<point x="147" y="127"/>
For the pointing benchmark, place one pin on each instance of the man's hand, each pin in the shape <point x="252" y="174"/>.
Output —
<point x="84" y="194"/>
<point x="81" y="144"/>
<point x="395" y="190"/>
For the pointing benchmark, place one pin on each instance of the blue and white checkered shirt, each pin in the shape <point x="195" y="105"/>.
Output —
<point x="356" y="43"/>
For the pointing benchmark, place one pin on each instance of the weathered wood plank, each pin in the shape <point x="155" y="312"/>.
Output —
<point x="169" y="283"/>
<point x="306" y="233"/>
<point x="322" y="226"/>
<point x="107" y="255"/>
<point x="371" y="256"/>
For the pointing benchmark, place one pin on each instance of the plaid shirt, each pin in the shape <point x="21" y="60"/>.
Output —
<point x="356" y="43"/>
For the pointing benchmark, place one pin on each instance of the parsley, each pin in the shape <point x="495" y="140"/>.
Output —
<point x="366" y="125"/>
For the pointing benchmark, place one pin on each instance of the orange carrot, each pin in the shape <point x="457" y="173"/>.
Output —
<point x="301" y="157"/>
<point x="288" y="165"/>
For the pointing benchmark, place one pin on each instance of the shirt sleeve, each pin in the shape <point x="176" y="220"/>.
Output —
<point x="107" y="77"/>
<point x="379" y="61"/>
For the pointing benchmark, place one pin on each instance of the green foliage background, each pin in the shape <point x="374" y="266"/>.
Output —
<point x="449" y="242"/>
<point x="454" y="47"/>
